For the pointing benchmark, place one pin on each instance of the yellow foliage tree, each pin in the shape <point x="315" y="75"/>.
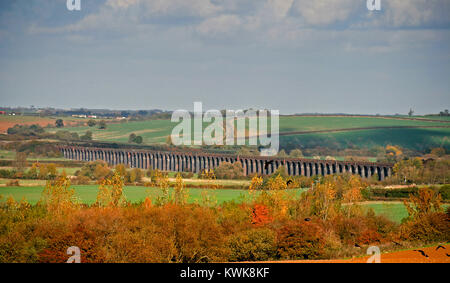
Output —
<point x="426" y="201"/>
<point x="209" y="197"/>
<point x="162" y="181"/>
<point x="58" y="196"/>
<point x="180" y="195"/>
<point x="110" y="192"/>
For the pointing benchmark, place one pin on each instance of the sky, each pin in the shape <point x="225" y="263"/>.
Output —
<point x="296" y="56"/>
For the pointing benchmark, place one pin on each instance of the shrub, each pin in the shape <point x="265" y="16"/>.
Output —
<point x="96" y="170"/>
<point x="227" y="170"/>
<point x="5" y="173"/>
<point x="349" y="230"/>
<point x="426" y="221"/>
<point x="302" y="240"/>
<point x="26" y="130"/>
<point x="260" y="215"/>
<point x="187" y="175"/>
<point x="445" y="192"/>
<point x="13" y="183"/>
<point x="253" y="245"/>
<point x="429" y="228"/>
<point x="80" y="180"/>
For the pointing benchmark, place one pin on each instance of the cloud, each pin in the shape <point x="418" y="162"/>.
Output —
<point x="279" y="8"/>
<point x="195" y="8"/>
<point x="273" y="22"/>
<point x="417" y="12"/>
<point x="223" y="24"/>
<point x="325" y="12"/>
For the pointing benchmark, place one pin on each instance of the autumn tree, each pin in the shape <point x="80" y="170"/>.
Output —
<point x="282" y="153"/>
<point x="296" y="153"/>
<point x="110" y="192"/>
<point x="209" y="196"/>
<point x="121" y="170"/>
<point x="426" y="201"/>
<point x="58" y="197"/>
<point x="180" y="195"/>
<point x="408" y="171"/>
<point x="393" y="153"/>
<point x="162" y="181"/>
<point x="426" y="221"/>
<point x="227" y="170"/>
<point x="260" y="215"/>
<point x="322" y="200"/>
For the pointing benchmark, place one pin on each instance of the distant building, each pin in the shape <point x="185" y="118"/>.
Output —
<point x="79" y="116"/>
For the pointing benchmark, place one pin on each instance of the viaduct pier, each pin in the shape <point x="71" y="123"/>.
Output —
<point x="183" y="161"/>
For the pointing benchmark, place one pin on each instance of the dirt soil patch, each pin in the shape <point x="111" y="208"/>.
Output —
<point x="435" y="255"/>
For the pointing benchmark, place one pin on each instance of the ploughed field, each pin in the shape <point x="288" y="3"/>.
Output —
<point x="7" y="121"/>
<point x="433" y="254"/>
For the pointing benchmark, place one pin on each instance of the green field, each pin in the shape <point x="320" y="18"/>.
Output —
<point x="310" y="123"/>
<point x="11" y="155"/>
<point x="156" y="131"/>
<point x="395" y="211"/>
<point x="88" y="193"/>
<point x="152" y="131"/>
<point x="416" y="139"/>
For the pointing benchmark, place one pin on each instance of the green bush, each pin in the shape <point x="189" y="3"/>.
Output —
<point x="370" y="193"/>
<point x="445" y="192"/>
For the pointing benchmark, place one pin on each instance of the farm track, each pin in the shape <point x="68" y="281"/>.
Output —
<point x="357" y="129"/>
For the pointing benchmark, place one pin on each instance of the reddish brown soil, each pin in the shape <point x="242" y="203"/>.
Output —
<point x="409" y="256"/>
<point x="43" y="122"/>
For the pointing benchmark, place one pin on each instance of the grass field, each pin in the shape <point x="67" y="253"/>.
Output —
<point x="88" y="193"/>
<point x="416" y="139"/>
<point x="395" y="211"/>
<point x="309" y="123"/>
<point x="156" y="131"/>
<point x="152" y="131"/>
<point x="11" y="155"/>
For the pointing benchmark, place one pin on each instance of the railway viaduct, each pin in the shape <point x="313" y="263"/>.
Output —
<point x="179" y="161"/>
